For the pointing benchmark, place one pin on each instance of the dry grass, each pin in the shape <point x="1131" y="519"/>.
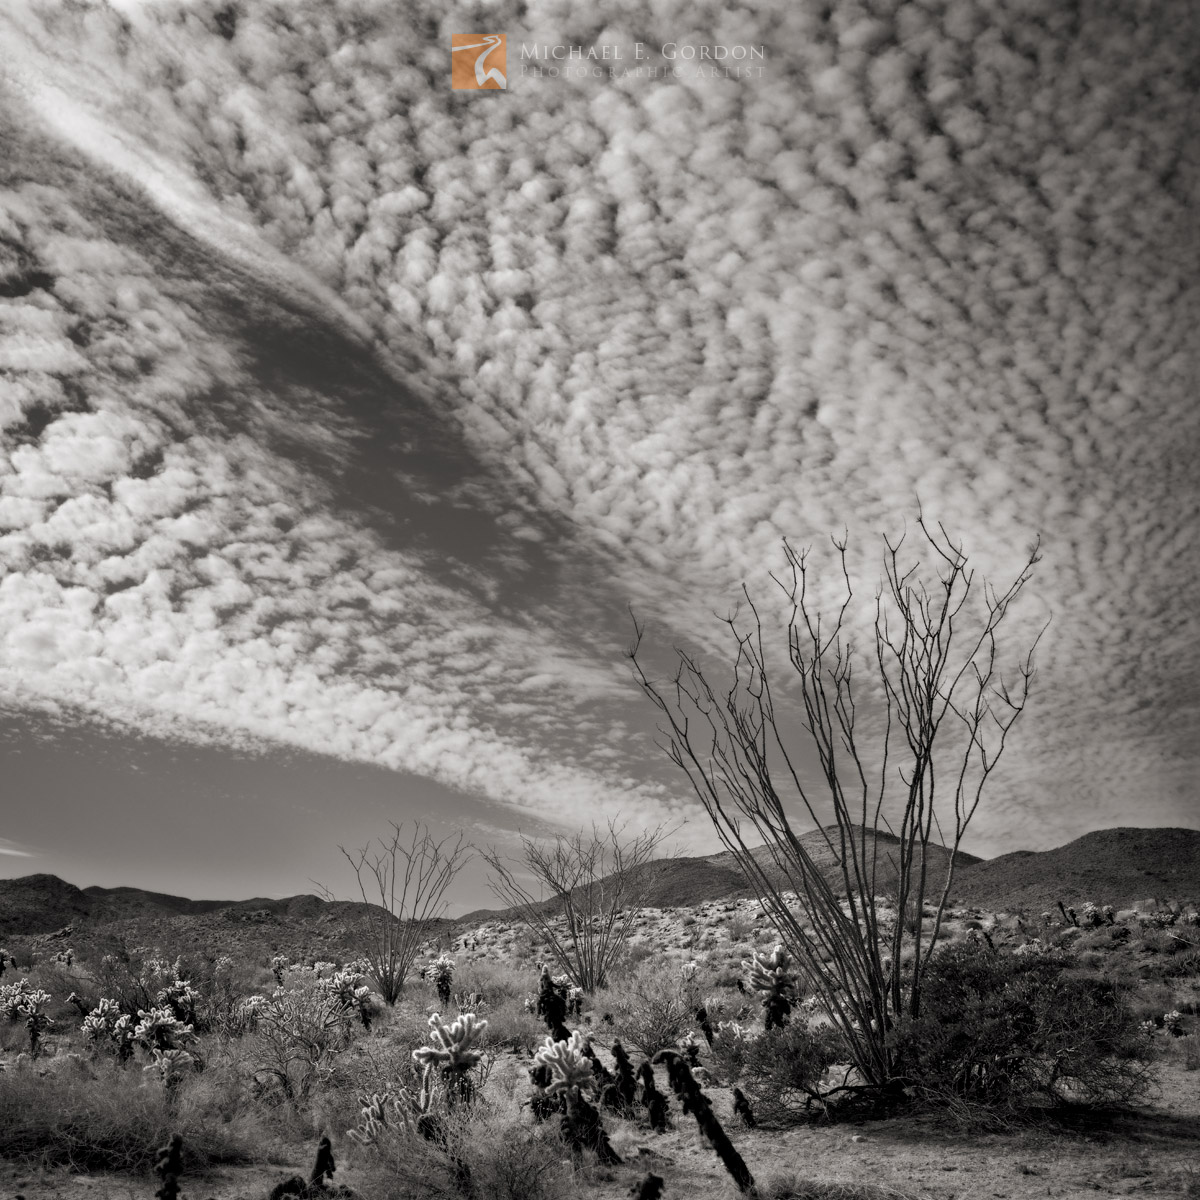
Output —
<point x="793" y="1187"/>
<point x="101" y="1117"/>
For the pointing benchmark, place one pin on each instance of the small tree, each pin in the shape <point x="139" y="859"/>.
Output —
<point x="403" y="886"/>
<point x="595" y="881"/>
<point x="945" y="712"/>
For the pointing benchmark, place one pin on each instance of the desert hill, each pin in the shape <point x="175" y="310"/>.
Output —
<point x="1113" y="866"/>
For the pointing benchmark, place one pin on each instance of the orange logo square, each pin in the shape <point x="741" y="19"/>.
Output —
<point x="478" y="61"/>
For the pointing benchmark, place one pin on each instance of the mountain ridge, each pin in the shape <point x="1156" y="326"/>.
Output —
<point x="1114" y="866"/>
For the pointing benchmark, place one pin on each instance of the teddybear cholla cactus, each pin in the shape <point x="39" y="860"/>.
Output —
<point x="32" y="1007"/>
<point x="552" y="1001"/>
<point x="160" y="1029"/>
<point x="442" y="973"/>
<point x="571" y="1076"/>
<point x="169" y="1167"/>
<point x="353" y="997"/>
<point x="694" y="1101"/>
<point x="774" y="979"/>
<point x="106" y="1027"/>
<point x="452" y="1051"/>
<point x="170" y="1067"/>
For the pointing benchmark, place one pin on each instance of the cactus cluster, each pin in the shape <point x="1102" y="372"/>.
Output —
<point x="107" y="1027"/>
<point x="161" y="1029"/>
<point x="21" y="1001"/>
<point x="351" y="996"/>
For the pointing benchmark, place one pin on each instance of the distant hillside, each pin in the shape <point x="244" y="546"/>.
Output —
<point x="1112" y="866"/>
<point x="688" y="882"/>
<point x="38" y="904"/>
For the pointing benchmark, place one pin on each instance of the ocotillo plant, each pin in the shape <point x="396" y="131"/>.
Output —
<point x="452" y="1051"/>
<point x="571" y="1075"/>
<point x="169" y="1167"/>
<point x="775" y="982"/>
<point x="694" y="1101"/>
<point x="657" y="1106"/>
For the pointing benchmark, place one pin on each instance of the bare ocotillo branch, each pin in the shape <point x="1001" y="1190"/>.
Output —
<point x="944" y="714"/>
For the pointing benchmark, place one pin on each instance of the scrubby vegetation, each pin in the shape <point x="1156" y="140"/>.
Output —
<point x="524" y="1086"/>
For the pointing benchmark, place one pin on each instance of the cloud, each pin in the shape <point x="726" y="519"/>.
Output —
<point x="936" y="254"/>
<point x="13" y="850"/>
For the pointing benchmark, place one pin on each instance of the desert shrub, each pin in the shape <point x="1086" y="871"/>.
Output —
<point x="657" y="1007"/>
<point x="633" y="956"/>
<point x="497" y="983"/>
<point x="1017" y="1030"/>
<point x="795" y="1186"/>
<point x="1184" y="963"/>
<point x="740" y="928"/>
<point x="299" y="1032"/>
<point x="486" y="1154"/>
<point x="780" y="1069"/>
<point x="510" y="1027"/>
<point x="730" y="1048"/>
<point x="1191" y="1052"/>
<point x="99" y="1117"/>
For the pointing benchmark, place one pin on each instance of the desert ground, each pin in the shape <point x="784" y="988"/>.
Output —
<point x="77" y="1121"/>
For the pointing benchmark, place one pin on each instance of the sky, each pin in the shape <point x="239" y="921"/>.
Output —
<point x="346" y="416"/>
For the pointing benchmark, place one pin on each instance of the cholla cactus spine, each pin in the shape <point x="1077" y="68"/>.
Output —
<point x="373" y="1117"/>
<point x="774" y="979"/>
<point x="37" y="1020"/>
<point x="170" y="1066"/>
<point x="570" y="1068"/>
<point x="346" y="991"/>
<point x="452" y="1050"/>
<point x="12" y="997"/>
<point x="571" y="1076"/>
<point x="160" y="1029"/>
<point x="442" y="973"/>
